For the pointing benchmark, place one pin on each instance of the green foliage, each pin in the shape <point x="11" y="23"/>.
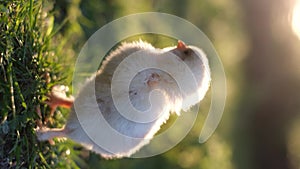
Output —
<point x="27" y="57"/>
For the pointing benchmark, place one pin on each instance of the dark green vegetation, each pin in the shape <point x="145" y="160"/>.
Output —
<point x="29" y="54"/>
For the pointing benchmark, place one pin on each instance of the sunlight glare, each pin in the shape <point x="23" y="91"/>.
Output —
<point x="296" y="19"/>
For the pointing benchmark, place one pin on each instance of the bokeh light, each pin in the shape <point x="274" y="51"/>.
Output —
<point x="296" y="19"/>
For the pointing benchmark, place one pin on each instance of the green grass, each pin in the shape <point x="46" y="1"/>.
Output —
<point x="27" y="54"/>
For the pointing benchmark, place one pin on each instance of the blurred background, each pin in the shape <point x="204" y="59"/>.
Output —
<point x="258" y="42"/>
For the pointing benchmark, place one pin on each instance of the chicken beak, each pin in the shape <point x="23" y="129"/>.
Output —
<point x="181" y="45"/>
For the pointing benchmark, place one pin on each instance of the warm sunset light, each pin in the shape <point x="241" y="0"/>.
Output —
<point x="296" y="19"/>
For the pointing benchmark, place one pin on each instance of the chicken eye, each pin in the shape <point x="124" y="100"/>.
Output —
<point x="187" y="52"/>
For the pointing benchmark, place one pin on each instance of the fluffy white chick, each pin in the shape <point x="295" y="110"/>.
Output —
<point x="168" y="72"/>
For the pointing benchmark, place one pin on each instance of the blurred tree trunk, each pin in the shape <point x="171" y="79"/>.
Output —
<point x="272" y="87"/>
